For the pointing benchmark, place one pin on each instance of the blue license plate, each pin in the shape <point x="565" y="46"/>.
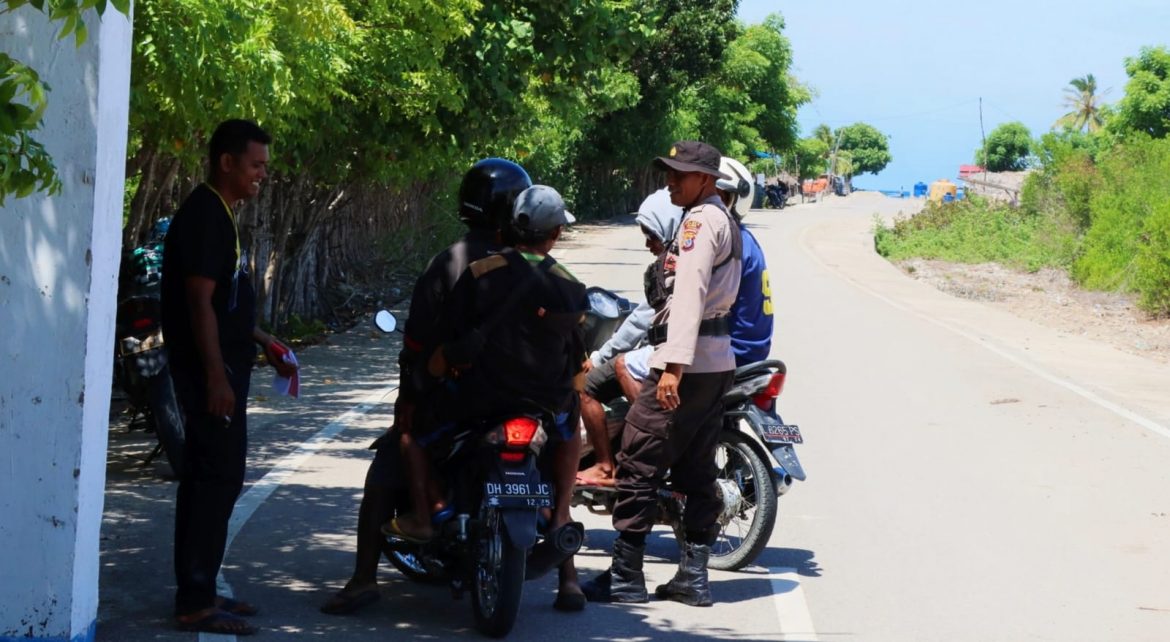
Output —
<point x="527" y="494"/>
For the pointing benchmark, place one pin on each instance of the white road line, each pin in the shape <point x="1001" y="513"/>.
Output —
<point x="262" y="489"/>
<point x="1125" y="413"/>
<point x="788" y="598"/>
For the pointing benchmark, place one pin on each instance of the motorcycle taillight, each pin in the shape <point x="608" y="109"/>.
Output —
<point x="766" y="398"/>
<point x="519" y="431"/>
<point x="141" y="324"/>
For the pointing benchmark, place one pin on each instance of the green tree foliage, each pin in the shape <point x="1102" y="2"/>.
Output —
<point x="811" y="153"/>
<point x="1123" y="237"/>
<point x="825" y="134"/>
<point x="868" y="147"/>
<point x="1009" y="147"/>
<point x="377" y="107"/>
<point x="750" y="103"/>
<point x="1146" y="105"/>
<point x="1067" y="176"/>
<point x="684" y="48"/>
<point x="25" y="166"/>
<point x="1084" y="104"/>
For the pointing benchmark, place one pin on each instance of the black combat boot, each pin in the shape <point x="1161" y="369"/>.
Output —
<point x="689" y="585"/>
<point x="624" y="582"/>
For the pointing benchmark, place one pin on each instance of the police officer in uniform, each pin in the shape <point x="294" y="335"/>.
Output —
<point x="675" y="421"/>
<point x="486" y="196"/>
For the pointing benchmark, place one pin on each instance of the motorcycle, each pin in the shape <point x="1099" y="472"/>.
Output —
<point x="775" y="196"/>
<point x="492" y="543"/>
<point x="140" y="358"/>
<point x="756" y="455"/>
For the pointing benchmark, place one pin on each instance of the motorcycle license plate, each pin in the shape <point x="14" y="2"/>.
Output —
<point x="526" y="494"/>
<point x="781" y="433"/>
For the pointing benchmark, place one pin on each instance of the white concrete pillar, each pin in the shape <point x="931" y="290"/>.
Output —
<point x="58" y="280"/>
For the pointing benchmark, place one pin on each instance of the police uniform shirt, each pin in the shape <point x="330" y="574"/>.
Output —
<point x="700" y="291"/>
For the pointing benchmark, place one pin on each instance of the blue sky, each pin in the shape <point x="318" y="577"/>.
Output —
<point x="916" y="69"/>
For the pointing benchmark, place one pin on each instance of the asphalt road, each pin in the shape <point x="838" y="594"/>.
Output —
<point x="972" y="476"/>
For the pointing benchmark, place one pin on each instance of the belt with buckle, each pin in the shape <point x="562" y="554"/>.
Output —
<point x="714" y="327"/>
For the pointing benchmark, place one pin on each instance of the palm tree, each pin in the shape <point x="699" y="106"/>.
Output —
<point x="1085" y="104"/>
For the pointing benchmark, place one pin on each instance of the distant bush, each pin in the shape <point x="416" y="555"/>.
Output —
<point x="1063" y="189"/>
<point x="1124" y="245"/>
<point x="977" y="231"/>
<point x="1153" y="262"/>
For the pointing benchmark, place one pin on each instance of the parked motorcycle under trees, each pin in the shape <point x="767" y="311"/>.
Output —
<point x="494" y="540"/>
<point x="756" y="455"/>
<point x="140" y="357"/>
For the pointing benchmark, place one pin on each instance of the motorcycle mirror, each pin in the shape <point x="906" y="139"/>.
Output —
<point x="385" y="321"/>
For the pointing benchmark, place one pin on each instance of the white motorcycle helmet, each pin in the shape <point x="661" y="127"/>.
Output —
<point x="742" y="189"/>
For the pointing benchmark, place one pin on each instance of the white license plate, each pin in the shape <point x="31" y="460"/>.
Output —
<point x="782" y="433"/>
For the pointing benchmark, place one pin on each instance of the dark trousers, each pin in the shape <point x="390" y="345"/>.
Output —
<point x="212" y="477"/>
<point x="683" y="441"/>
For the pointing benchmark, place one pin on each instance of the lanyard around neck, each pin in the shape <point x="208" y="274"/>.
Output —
<point x="231" y="217"/>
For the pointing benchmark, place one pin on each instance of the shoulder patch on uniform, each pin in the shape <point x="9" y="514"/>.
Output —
<point x="485" y="265"/>
<point x="563" y="272"/>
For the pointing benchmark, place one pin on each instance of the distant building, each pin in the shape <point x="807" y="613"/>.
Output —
<point x="968" y="170"/>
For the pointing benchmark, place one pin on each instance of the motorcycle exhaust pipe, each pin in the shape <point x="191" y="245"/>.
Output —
<point x="554" y="549"/>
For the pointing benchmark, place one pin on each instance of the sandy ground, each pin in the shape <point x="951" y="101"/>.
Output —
<point x="1050" y="298"/>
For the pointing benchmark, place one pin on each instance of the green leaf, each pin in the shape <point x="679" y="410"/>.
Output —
<point x="22" y="116"/>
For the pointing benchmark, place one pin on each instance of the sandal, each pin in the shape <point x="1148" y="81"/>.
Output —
<point x="214" y="620"/>
<point x="343" y="603"/>
<point x="235" y="607"/>
<point x="394" y="529"/>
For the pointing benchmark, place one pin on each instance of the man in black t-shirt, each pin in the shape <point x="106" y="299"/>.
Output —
<point x="209" y="320"/>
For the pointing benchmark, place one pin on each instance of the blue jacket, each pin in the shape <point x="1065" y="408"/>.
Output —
<point x="751" y="315"/>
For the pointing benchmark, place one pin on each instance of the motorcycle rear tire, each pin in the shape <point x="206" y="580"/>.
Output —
<point x="166" y="418"/>
<point x="500" y="573"/>
<point x="725" y="555"/>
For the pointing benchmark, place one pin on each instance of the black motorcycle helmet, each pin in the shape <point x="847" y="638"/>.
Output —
<point x="488" y="191"/>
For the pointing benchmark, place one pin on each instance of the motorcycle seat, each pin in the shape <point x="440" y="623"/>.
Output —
<point x="769" y="366"/>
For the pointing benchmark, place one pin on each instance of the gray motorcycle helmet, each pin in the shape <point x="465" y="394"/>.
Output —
<point x="539" y="210"/>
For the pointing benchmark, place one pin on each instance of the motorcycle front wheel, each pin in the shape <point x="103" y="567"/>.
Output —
<point x="747" y="523"/>
<point x="498" y="577"/>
